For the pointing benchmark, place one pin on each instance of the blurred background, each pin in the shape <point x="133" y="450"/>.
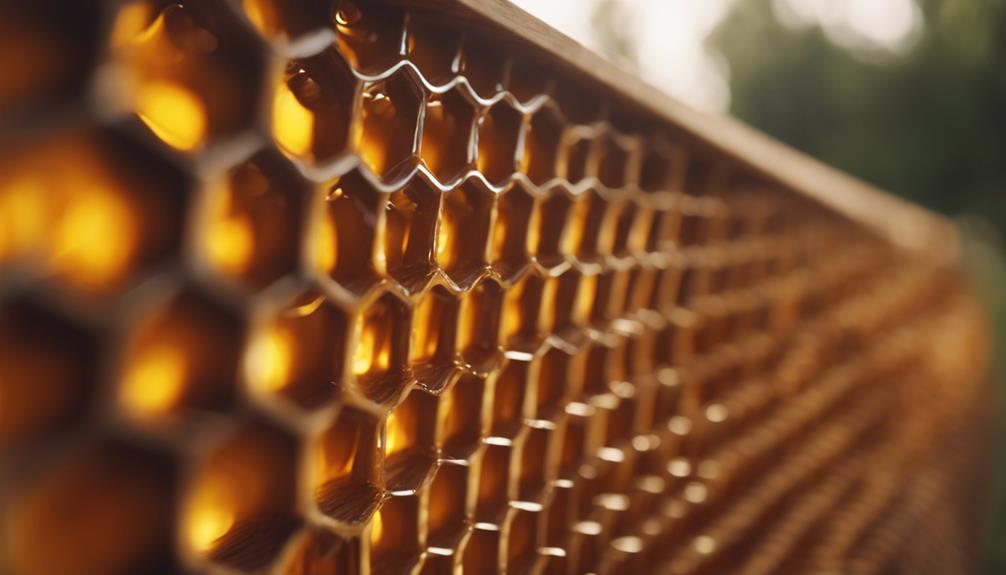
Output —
<point x="909" y="95"/>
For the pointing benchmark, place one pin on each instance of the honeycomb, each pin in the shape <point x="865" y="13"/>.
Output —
<point x="320" y="287"/>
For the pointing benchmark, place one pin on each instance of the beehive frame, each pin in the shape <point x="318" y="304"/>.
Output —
<point x="381" y="287"/>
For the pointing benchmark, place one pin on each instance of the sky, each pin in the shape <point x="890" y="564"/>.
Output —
<point x="670" y="35"/>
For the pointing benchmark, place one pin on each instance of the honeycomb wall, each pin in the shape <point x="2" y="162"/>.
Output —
<point x="322" y="287"/>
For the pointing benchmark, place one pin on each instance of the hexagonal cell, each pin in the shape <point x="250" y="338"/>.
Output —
<point x="312" y="108"/>
<point x="299" y="352"/>
<point x="318" y="551"/>
<point x="574" y="430"/>
<point x="395" y="543"/>
<point x="499" y="142"/>
<point x="542" y="143"/>
<point x="587" y="237"/>
<point x="508" y="385"/>
<point x="185" y="356"/>
<point x="483" y="65"/>
<point x="533" y="462"/>
<point x="448" y="144"/>
<point x="510" y="233"/>
<point x="253" y="220"/>
<point x="460" y="417"/>
<point x="578" y="155"/>
<point x="370" y="36"/>
<point x="550" y="382"/>
<point x="409" y="441"/>
<point x="381" y="356"/>
<point x="521" y="538"/>
<point x="343" y="469"/>
<point x="482" y="552"/>
<point x="106" y="510"/>
<point x="559" y="300"/>
<point x="629" y="228"/>
<point x="433" y="46"/>
<point x="446" y="513"/>
<point x="494" y="481"/>
<point x="528" y="79"/>
<point x="479" y="324"/>
<point x="410" y="220"/>
<point x="49" y="366"/>
<point x="521" y="307"/>
<point x="284" y="22"/>
<point x="595" y="367"/>
<point x="190" y="67"/>
<point x="345" y="236"/>
<point x="546" y="229"/>
<point x="389" y="114"/>
<point x="91" y="207"/>
<point x="613" y="169"/>
<point x="433" y="337"/>
<point x="47" y="56"/>
<point x="238" y="508"/>
<point x="464" y="230"/>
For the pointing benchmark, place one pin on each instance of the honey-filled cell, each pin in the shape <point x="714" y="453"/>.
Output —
<point x="410" y="441"/>
<point x="448" y="141"/>
<point x="343" y="243"/>
<point x="389" y="138"/>
<point x="91" y="208"/>
<point x="188" y="67"/>
<point x="380" y="361"/>
<point x="183" y="359"/>
<point x="342" y="466"/>
<point x="313" y="103"/>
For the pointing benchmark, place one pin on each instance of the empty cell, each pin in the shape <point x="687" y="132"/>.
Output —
<point x="343" y="468"/>
<point x="434" y="47"/>
<point x="542" y="144"/>
<point x="594" y="365"/>
<point x="91" y="208"/>
<point x="602" y="311"/>
<point x="394" y="535"/>
<point x="628" y="228"/>
<point x="482" y="551"/>
<point x="510" y="231"/>
<point x="620" y="411"/>
<point x="574" y="431"/>
<point x="463" y="231"/>
<point x="446" y="512"/>
<point x="49" y="366"/>
<point x="493" y="491"/>
<point x="105" y="511"/>
<point x="579" y="154"/>
<point x="614" y="160"/>
<point x="662" y="233"/>
<point x="587" y="236"/>
<point x="370" y="35"/>
<point x="345" y="236"/>
<point x="253" y="220"/>
<point x="533" y="461"/>
<point x="559" y="300"/>
<point x="184" y="356"/>
<point x="479" y="325"/>
<point x="284" y="22"/>
<point x="410" y="222"/>
<point x="550" y="382"/>
<point x="483" y="65"/>
<point x="381" y="353"/>
<point x="460" y="417"/>
<point x="409" y="441"/>
<point x="189" y="67"/>
<point x="317" y="551"/>
<point x="46" y="56"/>
<point x="448" y="143"/>
<point x="546" y="228"/>
<point x="521" y="307"/>
<point x="499" y="142"/>
<point x="434" y="330"/>
<point x="509" y="385"/>
<point x="313" y="103"/>
<point x="238" y="507"/>
<point x="389" y="115"/>
<point x="298" y="353"/>
<point x="522" y="537"/>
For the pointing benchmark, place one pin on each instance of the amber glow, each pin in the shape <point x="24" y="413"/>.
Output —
<point x="376" y="528"/>
<point x="229" y="239"/>
<point x="373" y="353"/>
<point x="261" y="13"/>
<point x="396" y="436"/>
<point x="271" y="359"/>
<point x="210" y="513"/>
<point x="425" y="327"/>
<point x="327" y="249"/>
<point x="93" y="239"/>
<point x="292" y="122"/>
<point x="25" y="211"/>
<point x="154" y="380"/>
<point x="173" y="113"/>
